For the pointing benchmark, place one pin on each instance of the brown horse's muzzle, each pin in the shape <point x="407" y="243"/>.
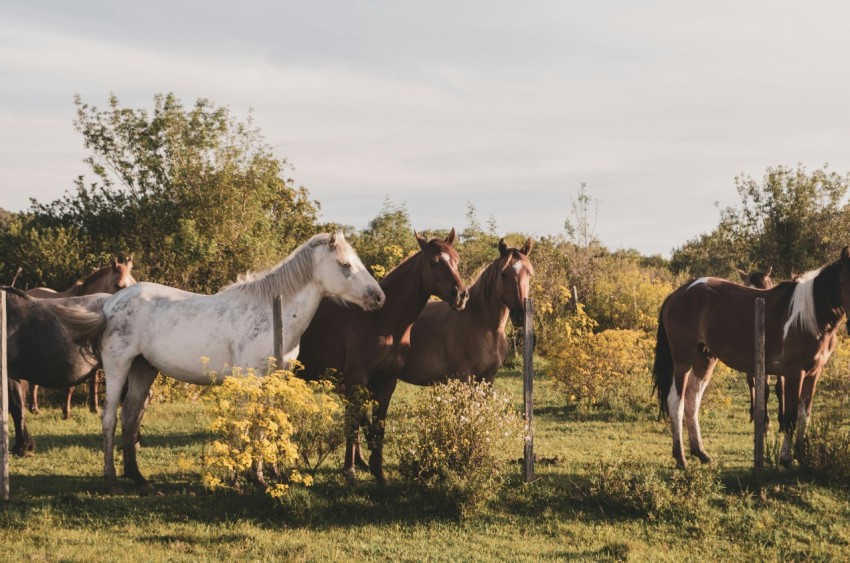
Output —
<point x="459" y="298"/>
<point x="518" y="317"/>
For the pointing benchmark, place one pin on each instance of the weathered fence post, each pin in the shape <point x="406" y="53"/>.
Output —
<point x="527" y="388"/>
<point x="758" y="401"/>
<point x="277" y="330"/>
<point x="4" y="403"/>
<point x="575" y="299"/>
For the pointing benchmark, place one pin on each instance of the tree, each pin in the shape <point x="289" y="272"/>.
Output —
<point x="387" y="240"/>
<point x="194" y="194"/>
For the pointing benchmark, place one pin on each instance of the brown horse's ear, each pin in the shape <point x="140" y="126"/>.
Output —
<point x="451" y="238"/>
<point x="745" y="277"/>
<point x="769" y="271"/>
<point x="845" y="254"/>
<point x="332" y="240"/>
<point x="503" y="247"/>
<point x="423" y="244"/>
<point x="114" y="262"/>
<point x="526" y="248"/>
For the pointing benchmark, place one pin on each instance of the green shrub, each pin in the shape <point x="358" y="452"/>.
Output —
<point x="458" y="442"/>
<point x="825" y="451"/>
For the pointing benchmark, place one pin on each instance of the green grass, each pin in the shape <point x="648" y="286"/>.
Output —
<point x="576" y="510"/>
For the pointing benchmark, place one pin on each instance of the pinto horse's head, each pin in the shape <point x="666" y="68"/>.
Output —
<point x="439" y="274"/>
<point x="844" y="281"/>
<point x="516" y="271"/>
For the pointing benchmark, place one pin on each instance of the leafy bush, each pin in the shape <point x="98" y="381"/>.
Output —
<point x="279" y="423"/>
<point x="606" y="369"/>
<point x="458" y="442"/>
<point x="825" y="452"/>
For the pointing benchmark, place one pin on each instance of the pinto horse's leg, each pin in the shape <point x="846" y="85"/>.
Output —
<point x="792" y="389"/>
<point x="804" y="406"/>
<point x="383" y="392"/>
<point x="142" y="376"/>
<point x="24" y="442"/>
<point x="676" y="408"/>
<point x="701" y="375"/>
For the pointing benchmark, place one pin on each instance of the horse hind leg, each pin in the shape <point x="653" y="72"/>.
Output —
<point x="66" y="406"/>
<point x="117" y="371"/>
<point x="24" y="442"/>
<point x="93" y="393"/>
<point x="32" y="398"/>
<point x="142" y="376"/>
<point x="702" y="371"/>
<point x="676" y="408"/>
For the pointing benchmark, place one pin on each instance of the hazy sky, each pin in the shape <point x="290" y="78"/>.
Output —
<point x="656" y="105"/>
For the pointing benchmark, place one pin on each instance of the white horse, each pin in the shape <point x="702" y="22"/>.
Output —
<point x="149" y="328"/>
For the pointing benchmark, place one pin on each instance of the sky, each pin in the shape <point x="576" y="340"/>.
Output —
<point x="656" y="105"/>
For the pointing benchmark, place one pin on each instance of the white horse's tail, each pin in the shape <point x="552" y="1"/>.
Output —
<point x="84" y="323"/>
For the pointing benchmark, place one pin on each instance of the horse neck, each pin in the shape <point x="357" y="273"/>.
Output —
<point x="97" y="282"/>
<point x="405" y="295"/>
<point x="287" y="279"/>
<point x="484" y="303"/>
<point x="827" y="293"/>
<point x="76" y="290"/>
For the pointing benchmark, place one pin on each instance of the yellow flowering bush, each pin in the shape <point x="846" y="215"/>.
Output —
<point x="279" y="423"/>
<point x="604" y="369"/>
<point x="457" y="443"/>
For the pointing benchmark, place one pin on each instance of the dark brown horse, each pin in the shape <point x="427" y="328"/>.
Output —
<point x="712" y="319"/>
<point x="370" y="348"/>
<point x="449" y="344"/>
<point x="42" y="352"/>
<point x="108" y="279"/>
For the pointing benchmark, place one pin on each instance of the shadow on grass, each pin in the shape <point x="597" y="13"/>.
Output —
<point x="174" y="439"/>
<point x="84" y="501"/>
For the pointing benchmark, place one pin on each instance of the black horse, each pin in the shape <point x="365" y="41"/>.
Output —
<point x="40" y="351"/>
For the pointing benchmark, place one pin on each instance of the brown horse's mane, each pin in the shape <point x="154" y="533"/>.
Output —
<point x="486" y="279"/>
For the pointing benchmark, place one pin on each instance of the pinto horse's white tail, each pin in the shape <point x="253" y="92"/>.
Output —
<point x="84" y="323"/>
<point x="662" y="369"/>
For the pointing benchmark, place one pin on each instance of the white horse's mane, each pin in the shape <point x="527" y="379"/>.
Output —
<point x="287" y="277"/>
<point x="803" y="311"/>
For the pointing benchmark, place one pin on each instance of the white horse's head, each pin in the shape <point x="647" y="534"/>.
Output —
<point x="341" y="273"/>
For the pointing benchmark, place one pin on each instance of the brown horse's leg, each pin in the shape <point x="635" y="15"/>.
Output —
<point x="780" y="396"/>
<point x="353" y="420"/>
<point x="700" y="377"/>
<point x="93" y="393"/>
<point x="359" y="459"/>
<point x="32" y="395"/>
<point x="140" y="380"/>
<point x="676" y="408"/>
<point x="24" y="442"/>
<point x="66" y="406"/>
<point x="382" y="394"/>
<point x="751" y="383"/>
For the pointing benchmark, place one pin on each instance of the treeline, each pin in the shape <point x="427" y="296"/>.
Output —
<point x="197" y="197"/>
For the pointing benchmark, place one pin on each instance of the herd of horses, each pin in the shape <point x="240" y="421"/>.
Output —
<point x="336" y="316"/>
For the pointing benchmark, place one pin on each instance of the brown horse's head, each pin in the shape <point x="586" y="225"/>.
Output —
<point x="844" y="280"/>
<point x="440" y="276"/>
<point x="120" y="276"/>
<point x="516" y="271"/>
<point x="757" y="280"/>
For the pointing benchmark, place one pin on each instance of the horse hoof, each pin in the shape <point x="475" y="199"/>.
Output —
<point x="148" y="490"/>
<point x="350" y="476"/>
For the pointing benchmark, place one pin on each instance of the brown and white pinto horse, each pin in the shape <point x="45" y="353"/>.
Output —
<point x="108" y="279"/>
<point x="450" y="344"/>
<point x="370" y="348"/>
<point x="712" y="319"/>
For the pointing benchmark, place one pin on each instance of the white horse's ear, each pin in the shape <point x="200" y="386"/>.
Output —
<point x="503" y="247"/>
<point x="526" y="248"/>
<point x="423" y="244"/>
<point x="452" y="235"/>
<point x="332" y="240"/>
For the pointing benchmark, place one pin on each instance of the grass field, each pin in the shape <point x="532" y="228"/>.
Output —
<point x="575" y="510"/>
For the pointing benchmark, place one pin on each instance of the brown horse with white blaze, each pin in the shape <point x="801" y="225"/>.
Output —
<point x="449" y="344"/>
<point x="108" y="279"/>
<point x="370" y="348"/>
<point x="712" y="319"/>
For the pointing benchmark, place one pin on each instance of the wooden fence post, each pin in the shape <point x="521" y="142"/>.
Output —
<point x="758" y="401"/>
<point x="527" y="387"/>
<point x="277" y="332"/>
<point x="4" y="403"/>
<point x="575" y="299"/>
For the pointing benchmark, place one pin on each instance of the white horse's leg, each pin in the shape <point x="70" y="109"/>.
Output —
<point x="676" y="408"/>
<point x="142" y="376"/>
<point x="693" y="399"/>
<point x="116" y="372"/>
